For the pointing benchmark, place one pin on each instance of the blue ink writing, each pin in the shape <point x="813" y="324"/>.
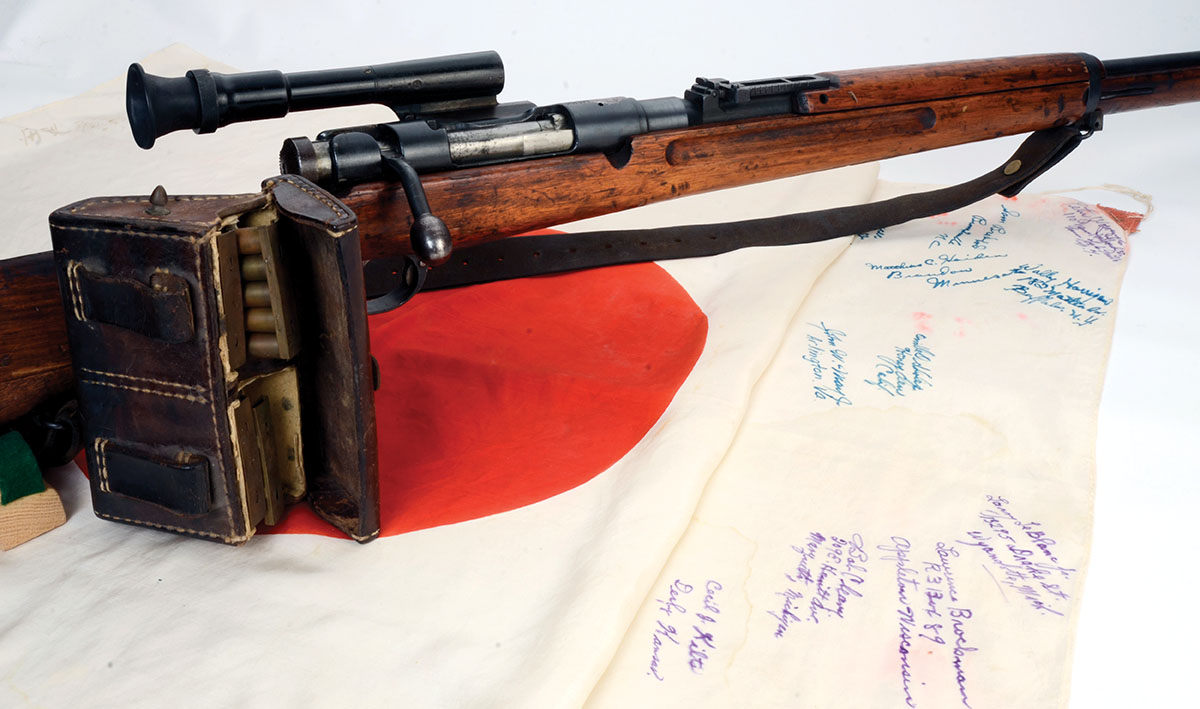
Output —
<point x="957" y="239"/>
<point x="1039" y="285"/>
<point x="828" y="362"/>
<point x="907" y="369"/>
<point x="997" y="228"/>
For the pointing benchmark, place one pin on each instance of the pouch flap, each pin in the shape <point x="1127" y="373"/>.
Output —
<point x="334" y="364"/>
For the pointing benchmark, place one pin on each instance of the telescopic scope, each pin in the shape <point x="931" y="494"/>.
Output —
<point x="204" y="101"/>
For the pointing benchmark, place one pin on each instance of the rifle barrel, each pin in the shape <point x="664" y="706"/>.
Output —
<point x="1150" y="82"/>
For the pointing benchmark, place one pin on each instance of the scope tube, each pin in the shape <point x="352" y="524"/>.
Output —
<point x="205" y="101"/>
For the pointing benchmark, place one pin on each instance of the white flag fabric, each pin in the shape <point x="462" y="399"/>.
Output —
<point x="853" y="473"/>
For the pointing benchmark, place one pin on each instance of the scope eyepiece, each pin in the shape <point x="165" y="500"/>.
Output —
<point x="205" y="101"/>
<point x="157" y="106"/>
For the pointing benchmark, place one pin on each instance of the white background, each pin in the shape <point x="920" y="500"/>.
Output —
<point x="1134" y="643"/>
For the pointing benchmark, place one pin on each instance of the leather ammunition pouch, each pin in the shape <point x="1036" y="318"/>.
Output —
<point x="221" y="354"/>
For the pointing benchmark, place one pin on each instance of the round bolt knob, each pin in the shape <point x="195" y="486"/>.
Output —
<point x="431" y="239"/>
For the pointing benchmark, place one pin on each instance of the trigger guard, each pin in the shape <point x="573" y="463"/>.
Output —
<point x="390" y="283"/>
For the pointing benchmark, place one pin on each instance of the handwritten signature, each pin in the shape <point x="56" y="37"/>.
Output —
<point x="827" y="358"/>
<point x="907" y="369"/>
<point x="665" y="634"/>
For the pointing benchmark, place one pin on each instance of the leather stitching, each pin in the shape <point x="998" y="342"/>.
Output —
<point x="76" y="290"/>
<point x="143" y="390"/>
<point x="332" y="207"/>
<point x="130" y="377"/>
<point x="172" y="528"/>
<point x="212" y="408"/>
<point x="183" y="198"/>
<point x="359" y="538"/>
<point x="81" y="209"/>
<point x="124" y="232"/>
<point x="100" y="445"/>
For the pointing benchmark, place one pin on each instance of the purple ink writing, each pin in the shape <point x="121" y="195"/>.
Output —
<point x="671" y="605"/>
<point x="698" y="649"/>
<point x="662" y="633"/>
<point x="827" y="575"/>
<point x="1013" y="548"/>
<point x="711" y="608"/>
<point x="665" y="635"/>
<point x="1093" y="233"/>
<point x="958" y="618"/>
<point x="906" y="581"/>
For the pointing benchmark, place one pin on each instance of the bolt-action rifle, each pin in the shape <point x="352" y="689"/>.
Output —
<point x="201" y="289"/>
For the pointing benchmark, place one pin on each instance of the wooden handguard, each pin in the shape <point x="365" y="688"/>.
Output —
<point x="207" y="405"/>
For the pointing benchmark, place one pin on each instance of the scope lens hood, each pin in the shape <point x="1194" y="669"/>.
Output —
<point x="157" y="105"/>
<point x="138" y="107"/>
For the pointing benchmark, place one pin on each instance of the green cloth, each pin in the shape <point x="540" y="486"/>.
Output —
<point x="19" y="472"/>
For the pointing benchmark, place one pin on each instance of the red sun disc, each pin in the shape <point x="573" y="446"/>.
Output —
<point x="501" y="395"/>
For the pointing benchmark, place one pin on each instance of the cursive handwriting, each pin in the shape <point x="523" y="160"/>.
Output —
<point x="663" y="631"/>
<point x="958" y="618"/>
<point x="671" y="604"/>
<point x="957" y="239"/>
<point x="665" y="634"/>
<point x="1013" y="547"/>
<point x="703" y="640"/>
<point x="698" y="649"/>
<point x="827" y="359"/>
<point x="1044" y="286"/>
<point x="906" y="581"/>
<point x="996" y="229"/>
<point x="1092" y="232"/>
<point x="906" y="370"/>
<point x="827" y="574"/>
<point x="938" y="586"/>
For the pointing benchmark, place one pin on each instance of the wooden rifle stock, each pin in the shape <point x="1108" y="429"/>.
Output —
<point x="35" y="362"/>
<point x="865" y="116"/>
<point x="871" y="115"/>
